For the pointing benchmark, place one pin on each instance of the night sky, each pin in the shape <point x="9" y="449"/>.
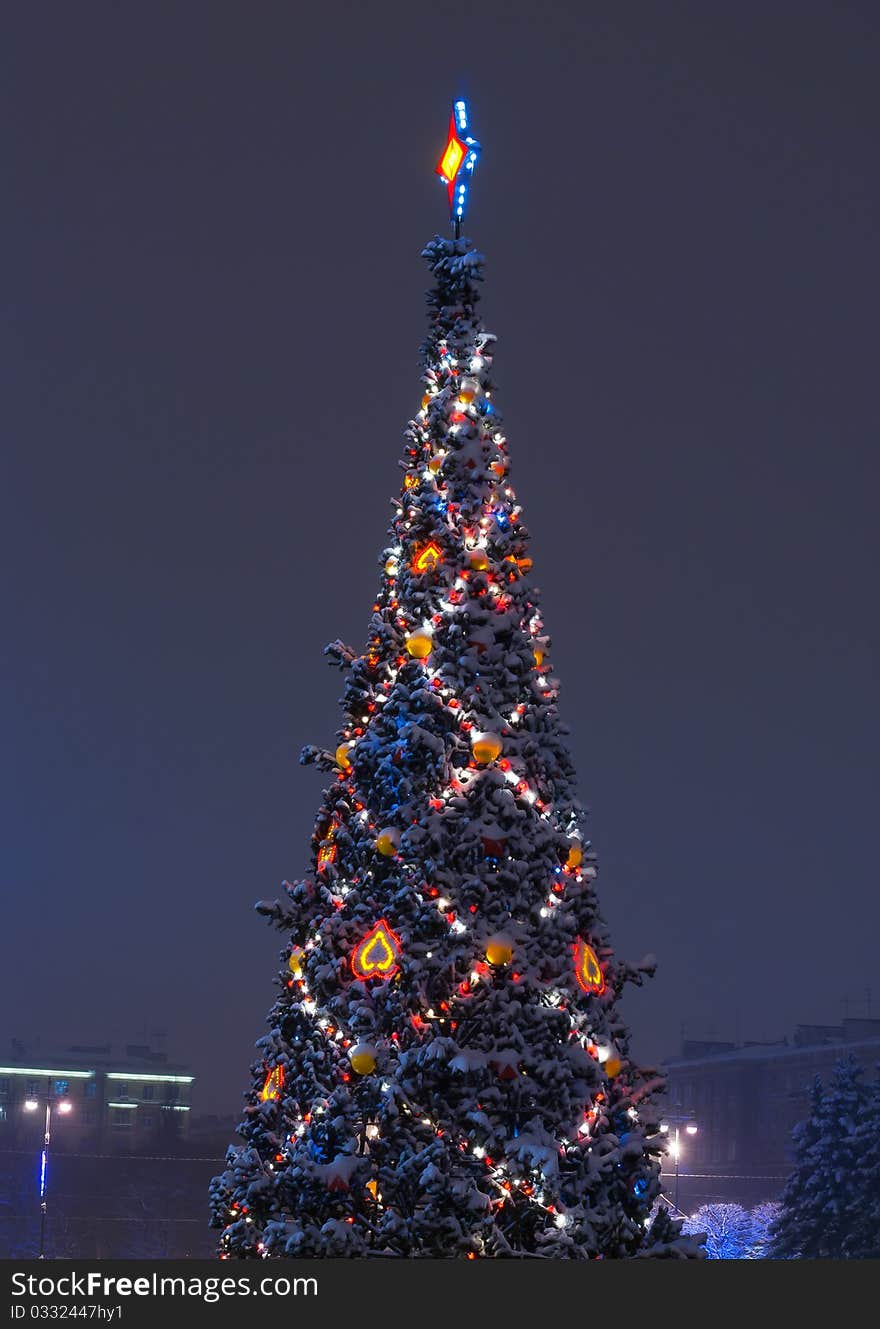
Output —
<point x="211" y="313"/>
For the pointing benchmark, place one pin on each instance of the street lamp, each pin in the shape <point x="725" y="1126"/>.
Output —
<point x="690" y="1127"/>
<point x="64" y="1107"/>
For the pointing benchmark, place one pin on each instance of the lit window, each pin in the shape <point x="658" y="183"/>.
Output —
<point x="60" y="1088"/>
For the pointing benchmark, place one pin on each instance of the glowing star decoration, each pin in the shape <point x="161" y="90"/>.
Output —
<point x="377" y="955"/>
<point x="456" y="165"/>
<point x="273" y="1084"/>
<point x="427" y="558"/>
<point x="587" y="969"/>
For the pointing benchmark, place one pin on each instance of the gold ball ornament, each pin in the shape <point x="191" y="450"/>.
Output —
<point x="343" y="760"/>
<point x="575" y="854"/>
<point x="468" y="390"/>
<point x="387" y="841"/>
<point x="486" y="747"/>
<point x="425" y="401"/>
<point x="435" y="464"/>
<point x="362" y="1059"/>
<point x="391" y="567"/>
<point x="613" y="1067"/>
<point x="420" y="645"/>
<point x="539" y="658"/>
<point x="295" y="963"/>
<point x="499" y="951"/>
<point x="478" y="560"/>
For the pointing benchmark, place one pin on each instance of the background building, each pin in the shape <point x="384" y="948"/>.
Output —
<point x="119" y="1101"/>
<point x="745" y="1100"/>
<point x="126" y="1176"/>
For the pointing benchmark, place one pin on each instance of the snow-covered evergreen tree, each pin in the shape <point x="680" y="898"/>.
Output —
<point x="830" y="1207"/>
<point x="447" y="1072"/>
<point x="864" y="1240"/>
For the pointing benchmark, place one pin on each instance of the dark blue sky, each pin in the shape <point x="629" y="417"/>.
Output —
<point x="211" y="313"/>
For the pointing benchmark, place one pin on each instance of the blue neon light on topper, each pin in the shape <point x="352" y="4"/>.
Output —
<point x="456" y="165"/>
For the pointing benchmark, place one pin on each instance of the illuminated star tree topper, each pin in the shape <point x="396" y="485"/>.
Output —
<point x="456" y="165"/>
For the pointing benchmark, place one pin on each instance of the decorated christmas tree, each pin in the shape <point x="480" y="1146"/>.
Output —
<point x="446" y="1071"/>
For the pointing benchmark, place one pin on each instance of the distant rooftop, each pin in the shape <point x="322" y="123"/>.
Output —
<point x="133" y="1057"/>
<point x="854" y="1030"/>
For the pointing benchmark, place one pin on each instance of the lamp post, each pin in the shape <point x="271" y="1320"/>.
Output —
<point x="32" y="1105"/>
<point x="690" y="1127"/>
